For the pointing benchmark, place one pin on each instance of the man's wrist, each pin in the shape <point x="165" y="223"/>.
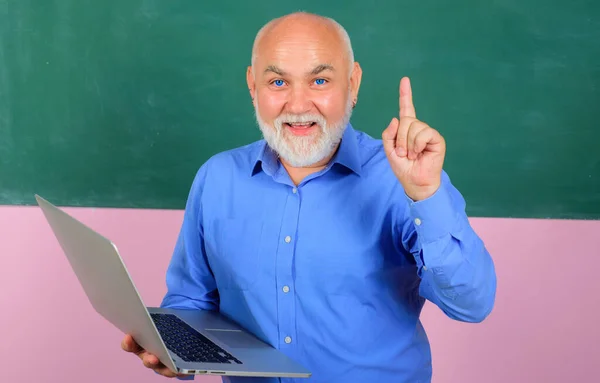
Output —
<point x="422" y="193"/>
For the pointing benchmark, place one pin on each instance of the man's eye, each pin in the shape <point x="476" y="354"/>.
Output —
<point x="278" y="82"/>
<point x="320" y="81"/>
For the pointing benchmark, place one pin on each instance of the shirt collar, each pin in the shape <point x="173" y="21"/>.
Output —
<point x="347" y="155"/>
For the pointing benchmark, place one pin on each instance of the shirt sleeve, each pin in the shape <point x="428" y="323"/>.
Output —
<point x="190" y="281"/>
<point x="456" y="270"/>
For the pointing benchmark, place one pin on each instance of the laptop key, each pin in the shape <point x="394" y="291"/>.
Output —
<point x="187" y="343"/>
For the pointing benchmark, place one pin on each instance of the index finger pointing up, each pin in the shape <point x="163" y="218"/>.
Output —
<point x="407" y="109"/>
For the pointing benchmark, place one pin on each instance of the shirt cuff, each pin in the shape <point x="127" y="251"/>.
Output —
<point x="434" y="217"/>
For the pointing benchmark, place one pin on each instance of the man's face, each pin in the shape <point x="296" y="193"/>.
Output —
<point x="303" y="91"/>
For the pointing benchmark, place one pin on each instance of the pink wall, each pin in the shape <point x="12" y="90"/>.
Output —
<point x="544" y="327"/>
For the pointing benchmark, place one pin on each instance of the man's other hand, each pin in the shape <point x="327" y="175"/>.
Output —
<point x="149" y="360"/>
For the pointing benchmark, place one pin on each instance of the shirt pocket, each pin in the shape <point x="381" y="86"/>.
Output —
<point x="235" y="255"/>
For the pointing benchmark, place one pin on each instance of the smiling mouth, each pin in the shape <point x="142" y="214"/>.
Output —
<point x="300" y="125"/>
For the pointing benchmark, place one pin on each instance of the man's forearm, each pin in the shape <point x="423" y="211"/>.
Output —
<point x="456" y="269"/>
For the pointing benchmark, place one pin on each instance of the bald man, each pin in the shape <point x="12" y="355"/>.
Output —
<point x="319" y="239"/>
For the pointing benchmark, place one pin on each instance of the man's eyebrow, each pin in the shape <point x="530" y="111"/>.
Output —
<point x="274" y="69"/>
<point x="318" y="69"/>
<point x="321" y="68"/>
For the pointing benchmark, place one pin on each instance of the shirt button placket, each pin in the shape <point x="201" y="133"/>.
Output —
<point x="285" y="260"/>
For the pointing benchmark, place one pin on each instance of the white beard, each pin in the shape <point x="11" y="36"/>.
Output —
<point x="301" y="151"/>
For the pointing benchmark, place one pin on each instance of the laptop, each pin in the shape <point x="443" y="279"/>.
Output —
<point x="193" y="342"/>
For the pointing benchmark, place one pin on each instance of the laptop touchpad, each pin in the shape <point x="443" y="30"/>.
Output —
<point x="234" y="339"/>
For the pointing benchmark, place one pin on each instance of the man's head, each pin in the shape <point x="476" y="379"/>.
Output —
<point x="304" y="82"/>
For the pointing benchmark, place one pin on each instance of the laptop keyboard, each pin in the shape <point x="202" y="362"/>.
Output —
<point x="187" y="343"/>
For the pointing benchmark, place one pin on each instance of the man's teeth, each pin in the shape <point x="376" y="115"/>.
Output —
<point x="300" y="123"/>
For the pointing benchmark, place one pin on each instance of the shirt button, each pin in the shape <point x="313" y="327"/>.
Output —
<point x="417" y="221"/>
<point x="288" y="239"/>
<point x="288" y="340"/>
<point x="286" y="289"/>
<point x="294" y="190"/>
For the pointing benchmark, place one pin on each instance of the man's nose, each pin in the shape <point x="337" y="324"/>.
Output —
<point x="299" y="101"/>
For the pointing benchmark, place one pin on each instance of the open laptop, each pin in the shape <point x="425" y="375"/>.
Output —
<point x="186" y="341"/>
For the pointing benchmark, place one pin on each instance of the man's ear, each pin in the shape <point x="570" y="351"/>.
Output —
<point x="355" y="78"/>
<point x="251" y="83"/>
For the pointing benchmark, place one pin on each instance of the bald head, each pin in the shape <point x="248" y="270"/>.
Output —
<point x="302" y="26"/>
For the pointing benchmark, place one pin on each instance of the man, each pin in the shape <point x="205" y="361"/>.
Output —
<point x="320" y="240"/>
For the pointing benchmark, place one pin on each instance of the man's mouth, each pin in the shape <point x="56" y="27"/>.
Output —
<point x="300" y="125"/>
<point x="301" y="128"/>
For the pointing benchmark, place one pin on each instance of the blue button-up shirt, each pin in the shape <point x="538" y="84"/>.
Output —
<point x="333" y="272"/>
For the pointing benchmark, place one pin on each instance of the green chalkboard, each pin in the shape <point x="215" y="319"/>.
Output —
<point x="117" y="103"/>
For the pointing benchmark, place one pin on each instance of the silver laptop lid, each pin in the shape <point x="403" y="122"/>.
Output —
<point x="105" y="279"/>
